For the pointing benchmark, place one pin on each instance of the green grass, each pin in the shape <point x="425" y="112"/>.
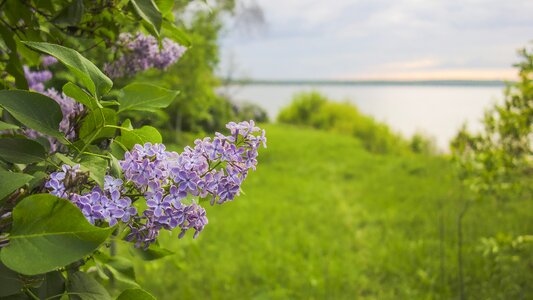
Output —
<point x="324" y="219"/>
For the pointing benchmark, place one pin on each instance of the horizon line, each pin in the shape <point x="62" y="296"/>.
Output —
<point x="482" y="82"/>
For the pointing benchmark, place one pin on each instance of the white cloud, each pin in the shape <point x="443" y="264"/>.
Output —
<point x="320" y="39"/>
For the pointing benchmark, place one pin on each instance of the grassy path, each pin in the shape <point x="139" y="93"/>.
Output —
<point x="323" y="219"/>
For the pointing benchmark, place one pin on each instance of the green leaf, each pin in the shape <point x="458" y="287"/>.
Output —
<point x="71" y="14"/>
<point x="135" y="294"/>
<point x="152" y="253"/>
<point x="176" y="34"/>
<point x="145" y="97"/>
<point x="48" y="233"/>
<point x="149" y="12"/>
<point x="21" y="151"/>
<point x="90" y="76"/>
<point x="115" y="168"/>
<point x="65" y="159"/>
<point x="53" y="285"/>
<point x="120" y="268"/>
<point x="145" y="134"/>
<point x="7" y="126"/>
<point x="10" y="181"/>
<point x="38" y="178"/>
<point x="10" y="282"/>
<point x="117" y="149"/>
<point x="34" y="110"/>
<point x="165" y="6"/>
<point x="78" y="94"/>
<point x="92" y="126"/>
<point x="96" y="166"/>
<point x="84" y="287"/>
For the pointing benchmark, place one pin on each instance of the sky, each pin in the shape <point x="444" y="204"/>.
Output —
<point x="380" y="40"/>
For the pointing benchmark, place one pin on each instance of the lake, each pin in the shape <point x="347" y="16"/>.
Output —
<point x="438" y="110"/>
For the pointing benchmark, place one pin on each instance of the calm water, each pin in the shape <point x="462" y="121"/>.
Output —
<point x="438" y="111"/>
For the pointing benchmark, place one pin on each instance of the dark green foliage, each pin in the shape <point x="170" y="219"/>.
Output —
<point x="47" y="244"/>
<point x="85" y="287"/>
<point x="315" y="110"/>
<point x="21" y="150"/>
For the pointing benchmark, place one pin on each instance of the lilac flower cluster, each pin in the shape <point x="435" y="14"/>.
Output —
<point x="109" y="205"/>
<point x="213" y="169"/>
<point x="71" y="109"/>
<point x="142" y="52"/>
<point x="36" y="79"/>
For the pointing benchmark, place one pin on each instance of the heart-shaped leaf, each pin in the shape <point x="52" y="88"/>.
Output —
<point x="145" y="97"/>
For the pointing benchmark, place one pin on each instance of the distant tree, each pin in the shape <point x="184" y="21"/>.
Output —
<point x="497" y="163"/>
<point x="498" y="160"/>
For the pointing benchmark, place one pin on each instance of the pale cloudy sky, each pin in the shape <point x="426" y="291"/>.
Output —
<point x="383" y="39"/>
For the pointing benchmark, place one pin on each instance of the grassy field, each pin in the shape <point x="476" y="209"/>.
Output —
<point x="324" y="219"/>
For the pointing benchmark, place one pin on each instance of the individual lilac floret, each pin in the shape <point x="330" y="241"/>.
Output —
<point x="112" y="184"/>
<point x="48" y="60"/>
<point x="142" y="52"/>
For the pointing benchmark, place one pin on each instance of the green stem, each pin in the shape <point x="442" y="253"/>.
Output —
<point x="95" y="134"/>
<point x="31" y="294"/>
<point x="117" y="127"/>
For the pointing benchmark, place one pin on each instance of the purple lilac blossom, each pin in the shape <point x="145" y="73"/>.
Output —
<point x="109" y="205"/>
<point x="143" y="52"/>
<point x="213" y="168"/>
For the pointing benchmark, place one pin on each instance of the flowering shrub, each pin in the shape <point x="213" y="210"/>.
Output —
<point x="76" y="177"/>
<point x="213" y="169"/>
